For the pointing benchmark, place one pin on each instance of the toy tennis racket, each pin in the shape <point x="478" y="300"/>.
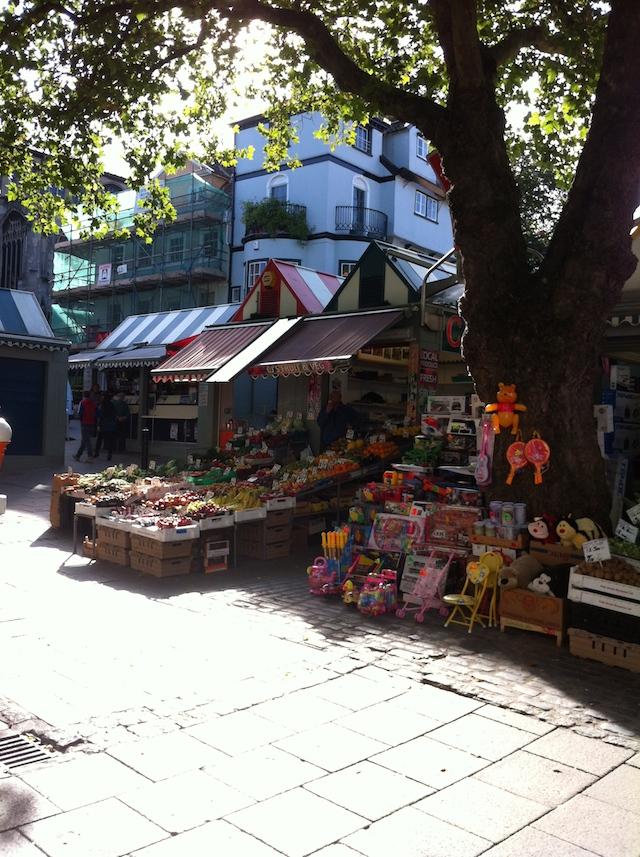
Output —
<point x="538" y="453"/>
<point x="516" y="458"/>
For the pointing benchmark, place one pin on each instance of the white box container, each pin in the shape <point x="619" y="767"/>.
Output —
<point x="217" y="523"/>
<point x="600" y="592"/>
<point x="170" y="534"/>
<point x="258" y="514"/>
<point x="281" y="503"/>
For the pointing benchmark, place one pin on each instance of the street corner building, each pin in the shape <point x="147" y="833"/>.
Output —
<point x="33" y="383"/>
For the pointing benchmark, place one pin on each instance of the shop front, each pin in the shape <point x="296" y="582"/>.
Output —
<point x="33" y="380"/>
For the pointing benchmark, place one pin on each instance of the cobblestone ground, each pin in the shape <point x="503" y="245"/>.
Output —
<point x="295" y="725"/>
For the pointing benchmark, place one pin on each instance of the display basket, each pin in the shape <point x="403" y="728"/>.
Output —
<point x="243" y="515"/>
<point x="168" y="534"/>
<point x="217" y="522"/>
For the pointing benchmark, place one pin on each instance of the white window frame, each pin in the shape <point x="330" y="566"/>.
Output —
<point x="422" y="147"/>
<point x="363" y="140"/>
<point x="174" y="256"/>
<point x="236" y="294"/>
<point x="253" y="270"/>
<point x="425" y="206"/>
<point x="278" y="180"/>
<point x="345" y="267"/>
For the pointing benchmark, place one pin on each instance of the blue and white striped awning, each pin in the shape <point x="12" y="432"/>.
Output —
<point x="23" y="324"/>
<point x="139" y="332"/>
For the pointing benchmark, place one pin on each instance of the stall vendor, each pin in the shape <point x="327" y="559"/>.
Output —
<point x="335" y="418"/>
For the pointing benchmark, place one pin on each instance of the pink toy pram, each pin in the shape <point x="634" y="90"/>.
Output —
<point x="429" y="588"/>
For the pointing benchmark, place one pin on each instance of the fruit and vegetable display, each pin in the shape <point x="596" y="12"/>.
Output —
<point x="623" y="548"/>
<point x="611" y="569"/>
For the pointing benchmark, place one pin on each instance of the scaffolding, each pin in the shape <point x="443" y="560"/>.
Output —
<point x="99" y="282"/>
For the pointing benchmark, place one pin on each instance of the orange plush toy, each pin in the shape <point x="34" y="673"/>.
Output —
<point x="506" y="411"/>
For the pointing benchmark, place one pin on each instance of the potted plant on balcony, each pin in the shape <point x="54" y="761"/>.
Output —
<point x="276" y="219"/>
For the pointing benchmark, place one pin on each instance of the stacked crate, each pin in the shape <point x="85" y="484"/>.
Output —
<point x="114" y="543"/>
<point x="164" y="558"/>
<point x="269" y="538"/>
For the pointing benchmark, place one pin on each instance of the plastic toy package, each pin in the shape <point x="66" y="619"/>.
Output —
<point x="396" y="533"/>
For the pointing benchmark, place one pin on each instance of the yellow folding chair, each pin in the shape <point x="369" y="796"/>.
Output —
<point x="482" y="578"/>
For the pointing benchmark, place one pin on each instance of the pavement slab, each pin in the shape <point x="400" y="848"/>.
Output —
<point x="620" y="788"/>
<point x="300" y="710"/>
<point x="438" y="704"/>
<point x="430" y="762"/>
<point x="485" y="810"/>
<point x="264" y="772"/>
<point x="536" y="778"/>
<point x="105" y="829"/>
<point x="214" y="838"/>
<point x="19" y="804"/>
<point x="14" y="844"/>
<point x="482" y="737"/>
<point x="82" y="779"/>
<point x="388" y="723"/>
<point x="354" y="692"/>
<point x="588" y="754"/>
<point x="535" y="843"/>
<point x="513" y="718"/>
<point x="166" y="755"/>
<point x="297" y="822"/>
<point x="239" y="732"/>
<point x="596" y="826"/>
<point x="330" y="746"/>
<point x="412" y="833"/>
<point x="185" y="801"/>
<point x="369" y="790"/>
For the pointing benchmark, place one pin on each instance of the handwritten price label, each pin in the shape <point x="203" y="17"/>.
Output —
<point x="596" y="550"/>
<point x="627" y="532"/>
<point x="634" y="514"/>
<point x="152" y="465"/>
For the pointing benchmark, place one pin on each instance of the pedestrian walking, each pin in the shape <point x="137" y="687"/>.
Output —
<point x="122" y="422"/>
<point x="87" y="415"/>
<point x="106" y="426"/>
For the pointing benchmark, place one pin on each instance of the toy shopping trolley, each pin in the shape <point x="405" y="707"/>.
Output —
<point x="428" y="588"/>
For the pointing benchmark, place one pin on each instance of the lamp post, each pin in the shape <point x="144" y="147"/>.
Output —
<point x="5" y="437"/>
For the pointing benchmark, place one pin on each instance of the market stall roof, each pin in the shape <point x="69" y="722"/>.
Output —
<point x="324" y="343"/>
<point x="23" y="324"/>
<point x="274" y="333"/>
<point x="154" y="329"/>
<point x="285" y="289"/>
<point x="209" y="351"/>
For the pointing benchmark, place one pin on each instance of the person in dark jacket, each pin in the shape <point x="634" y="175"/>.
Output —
<point x="122" y="422"/>
<point x="335" y="418"/>
<point x="106" y="426"/>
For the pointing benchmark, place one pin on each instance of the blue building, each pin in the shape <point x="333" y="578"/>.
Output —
<point x="325" y="213"/>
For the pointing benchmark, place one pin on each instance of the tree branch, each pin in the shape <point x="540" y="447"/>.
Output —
<point x="537" y="37"/>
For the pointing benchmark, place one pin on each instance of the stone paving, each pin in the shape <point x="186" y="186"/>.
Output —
<point x="236" y="715"/>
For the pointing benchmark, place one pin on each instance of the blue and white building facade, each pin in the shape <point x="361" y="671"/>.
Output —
<point x="381" y="188"/>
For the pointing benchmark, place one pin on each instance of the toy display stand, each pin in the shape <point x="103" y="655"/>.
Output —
<point x="508" y="622"/>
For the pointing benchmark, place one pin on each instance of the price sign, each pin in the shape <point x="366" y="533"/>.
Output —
<point x="233" y="481"/>
<point x="189" y="459"/>
<point x="350" y="434"/>
<point x="634" y="514"/>
<point x="596" y="550"/>
<point x="275" y="485"/>
<point x="627" y="532"/>
<point x="289" y="415"/>
<point x="198" y="462"/>
<point x="276" y="467"/>
<point x="152" y="465"/>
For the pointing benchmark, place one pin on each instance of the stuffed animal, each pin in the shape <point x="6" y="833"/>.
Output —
<point x="506" y="411"/>
<point x="543" y="529"/>
<point x="520" y="573"/>
<point x="540" y="585"/>
<point x="574" y="532"/>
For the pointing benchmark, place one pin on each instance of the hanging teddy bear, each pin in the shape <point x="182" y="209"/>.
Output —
<point x="505" y="413"/>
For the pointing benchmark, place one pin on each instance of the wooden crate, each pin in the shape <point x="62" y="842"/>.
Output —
<point x="521" y="608"/>
<point x="89" y="549"/>
<point x="606" y="650"/>
<point x="114" y="536"/>
<point x="160" y="567"/>
<point x="162" y="550"/>
<point x="261" y="550"/>
<point x="279" y="518"/>
<point x="112" y="553"/>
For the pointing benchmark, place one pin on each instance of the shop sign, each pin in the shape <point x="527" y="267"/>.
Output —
<point x="428" y="378"/>
<point x="452" y="334"/>
<point x="104" y="274"/>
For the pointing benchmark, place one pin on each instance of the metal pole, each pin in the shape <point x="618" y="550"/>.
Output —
<point x="144" y="447"/>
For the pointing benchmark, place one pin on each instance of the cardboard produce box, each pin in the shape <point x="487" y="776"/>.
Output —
<point x="112" y="553"/>
<point x="554" y="554"/>
<point x="114" y="536"/>
<point x="606" y="650"/>
<point x="160" y="567"/>
<point x="141" y="544"/>
<point x="261" y="550"/>
<point x="527" y="606"/>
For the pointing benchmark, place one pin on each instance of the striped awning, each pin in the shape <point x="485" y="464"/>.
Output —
<point x="155" y="330"/>
<point x="23" y="324"/>
<point x="208" y="352"/>
<point x="313" y="289"/>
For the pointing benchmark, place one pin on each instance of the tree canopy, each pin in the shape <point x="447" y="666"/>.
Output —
<point x="156" y="74"/>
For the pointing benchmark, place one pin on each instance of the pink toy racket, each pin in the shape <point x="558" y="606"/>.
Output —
<point x="537" y="453"/>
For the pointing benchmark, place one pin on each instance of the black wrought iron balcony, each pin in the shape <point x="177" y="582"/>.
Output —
<point x="364" y="222"/>
<point x="275" y="218"/>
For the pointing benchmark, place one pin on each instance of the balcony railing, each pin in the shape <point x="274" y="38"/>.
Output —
<point x="364" y="222"/>
<point x="275" y="218"/>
